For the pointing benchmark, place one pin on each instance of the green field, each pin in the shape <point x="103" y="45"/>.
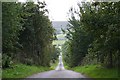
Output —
<point x="61" y="35"/>
<point x="59" y="42"/>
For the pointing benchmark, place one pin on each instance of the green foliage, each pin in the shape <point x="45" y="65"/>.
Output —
<point x="37" y="36"/>
<point x="22" y="71"/>
<point x="11" y="27"/>
<point x="54" y="65"/>
<point x="27" y="34"/>
<point x="94" y="37"/>
<point x="7" y="61"/>
<point x="55" y="53"/>
<point x="79" y="42"/>
<point x="99" y="20"/>
<point x="97" y="71"/>
<point x="66" y="50"/>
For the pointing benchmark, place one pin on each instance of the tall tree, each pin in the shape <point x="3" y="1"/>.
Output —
<point x="27" y="33"/>
<point x="95" y="32"/>
<point x="11" y="27"/>
<point x="38" y="34"/>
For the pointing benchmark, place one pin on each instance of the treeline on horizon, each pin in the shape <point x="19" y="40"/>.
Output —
<point x="27" y="34"/>
<point x="94" y="38"/>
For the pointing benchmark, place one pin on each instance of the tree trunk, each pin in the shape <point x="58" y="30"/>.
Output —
<point x="110" y="64"/>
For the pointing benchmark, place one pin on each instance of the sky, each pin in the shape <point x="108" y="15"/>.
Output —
<point x="58" y="9"/>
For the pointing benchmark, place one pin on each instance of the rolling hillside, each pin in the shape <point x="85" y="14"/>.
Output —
<point x="61" y="37"/>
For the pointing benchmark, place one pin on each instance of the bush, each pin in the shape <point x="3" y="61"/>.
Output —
<point x="6" y="61"/>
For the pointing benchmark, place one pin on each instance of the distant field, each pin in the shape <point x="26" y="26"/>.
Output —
<point x="59" y="42"/>
<point x="61" y="35"/>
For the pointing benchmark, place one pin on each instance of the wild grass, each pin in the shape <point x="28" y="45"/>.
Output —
<point x="22" y="71"/>
<point x="54" y="65"/>
<point x="96" y="71"/>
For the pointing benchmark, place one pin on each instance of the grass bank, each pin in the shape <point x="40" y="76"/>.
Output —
<point x="54" y="65"/>
<point x="96" y="71"/>
<point x="66" y="66"/>
<point x="22" y="71"/>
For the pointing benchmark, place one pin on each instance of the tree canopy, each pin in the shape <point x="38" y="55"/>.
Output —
<point x="94" y="37"/>
<point x="27" y="34"/>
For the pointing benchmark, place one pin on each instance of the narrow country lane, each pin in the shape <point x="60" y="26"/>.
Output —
<point x="59" y="72"/>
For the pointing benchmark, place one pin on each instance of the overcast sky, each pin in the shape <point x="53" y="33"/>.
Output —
<point x="58" y="9"/>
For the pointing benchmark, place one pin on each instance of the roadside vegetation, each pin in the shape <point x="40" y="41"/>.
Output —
<point x="93" y="39"/>
<point x="27" y="35"/>
<point x="22" y="71"/>
<point x="54" y="65"/>
<point x="96" y="71"/>
<point x="29" y="42"/>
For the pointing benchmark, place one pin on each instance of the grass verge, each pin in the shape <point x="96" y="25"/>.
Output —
<point x="66" y="66"/>
<point x="96" y="71"/>
<point x="54" y="65"/>
<point x="22" y="71"/>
